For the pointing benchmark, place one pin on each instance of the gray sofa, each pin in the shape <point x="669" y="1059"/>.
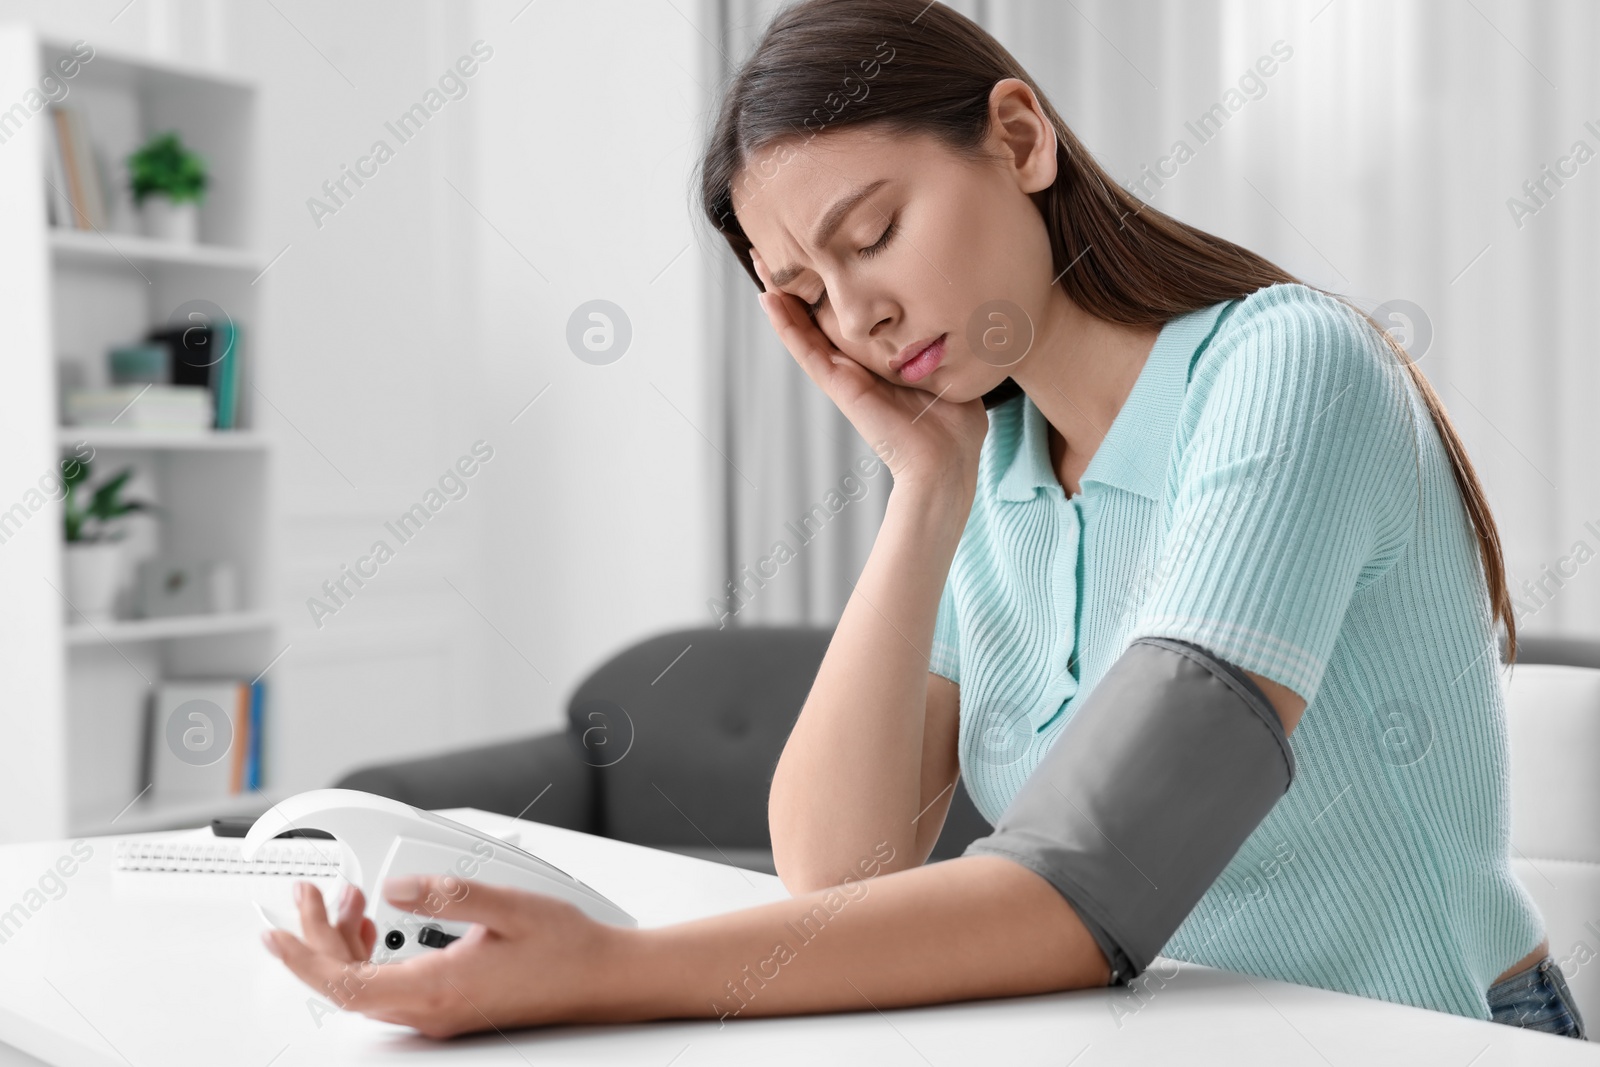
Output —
<point x="670" y="743"/>
<point x="1557" y="651"/>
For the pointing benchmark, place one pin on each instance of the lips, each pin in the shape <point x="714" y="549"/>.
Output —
<point x="923" y="361"/>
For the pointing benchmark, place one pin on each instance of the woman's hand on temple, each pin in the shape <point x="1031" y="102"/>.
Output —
<point x="918" y="435"/>
<point x="531" y="959"/>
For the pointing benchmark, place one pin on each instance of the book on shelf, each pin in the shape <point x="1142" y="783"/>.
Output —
<point x="77" y="186"/>
<point x="203" y="354"/>
<point x="239" y="755"/>
<point x="225" y="389"/>
<point x="202" y="739"/>
<point x="142" y="407"/>
<point x="252" y="762"/>
<point x="178" y="378"/>
<point x="58" y="199"/>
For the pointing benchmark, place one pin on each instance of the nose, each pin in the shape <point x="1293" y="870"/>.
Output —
<point x="862" y="319"/>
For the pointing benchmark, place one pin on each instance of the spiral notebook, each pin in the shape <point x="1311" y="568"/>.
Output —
<point x="298" y="857"/>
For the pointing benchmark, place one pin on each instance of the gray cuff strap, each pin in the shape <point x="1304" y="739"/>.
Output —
<point x="1171" y="762"/>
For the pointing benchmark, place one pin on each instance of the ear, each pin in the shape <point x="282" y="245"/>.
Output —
<point x="1021" y="134"/>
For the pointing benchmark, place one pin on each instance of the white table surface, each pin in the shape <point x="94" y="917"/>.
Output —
<point x="136" y="968"/>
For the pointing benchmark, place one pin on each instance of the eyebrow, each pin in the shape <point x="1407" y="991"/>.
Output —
<point x="831" y="221"/>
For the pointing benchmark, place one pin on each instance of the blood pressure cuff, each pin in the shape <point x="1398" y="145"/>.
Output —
<point x="1169" y="764"/>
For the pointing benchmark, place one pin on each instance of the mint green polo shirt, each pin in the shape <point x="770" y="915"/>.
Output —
<point x="1274" y="490"/>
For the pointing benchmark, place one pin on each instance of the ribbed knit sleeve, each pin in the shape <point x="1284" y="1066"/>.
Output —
<point x="946" y="657"/>
<point x="1294" y="487"/>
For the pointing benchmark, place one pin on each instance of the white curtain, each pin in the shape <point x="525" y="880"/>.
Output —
<point x="1395" y="153"/>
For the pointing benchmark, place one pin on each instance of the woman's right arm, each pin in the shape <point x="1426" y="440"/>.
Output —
<point x="868" y="772"/>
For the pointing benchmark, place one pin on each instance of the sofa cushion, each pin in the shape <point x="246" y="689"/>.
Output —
<point x="1553" y="717"/>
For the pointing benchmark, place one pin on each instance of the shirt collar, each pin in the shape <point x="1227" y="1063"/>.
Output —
<point x="1134" y="454"/>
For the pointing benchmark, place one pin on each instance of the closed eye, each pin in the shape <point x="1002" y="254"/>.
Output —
<point x="866" y="253"/>
<point x="881" y="243"/>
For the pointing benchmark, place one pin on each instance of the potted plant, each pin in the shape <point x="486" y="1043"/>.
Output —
<point x="93" y="554"/>
<point x="169" y="181"/>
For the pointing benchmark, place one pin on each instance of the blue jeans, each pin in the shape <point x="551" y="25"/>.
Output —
<point x="1537" y="998"/>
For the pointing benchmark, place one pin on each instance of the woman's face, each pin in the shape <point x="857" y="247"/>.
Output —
<point x="924" y="254"/>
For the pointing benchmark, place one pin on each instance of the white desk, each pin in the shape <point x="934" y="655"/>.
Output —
<point x="130" y="968"/>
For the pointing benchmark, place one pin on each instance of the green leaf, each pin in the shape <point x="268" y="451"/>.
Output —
<point x="166" y="167"/>
<point x="74" y="471"/>
<point x="104" y="505"/>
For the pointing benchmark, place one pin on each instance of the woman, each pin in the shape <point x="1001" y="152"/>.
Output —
<point x="1109" y="433"/>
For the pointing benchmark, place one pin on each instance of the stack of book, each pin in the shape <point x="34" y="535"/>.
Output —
<point x="76" y="183"/>
<point x="197" y="353"/>
<point x="178" y="379"/>
<point x="142" y="407"/>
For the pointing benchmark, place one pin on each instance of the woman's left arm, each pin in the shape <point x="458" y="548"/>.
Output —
<point x="967" y="928"/>
<point x="1285" y="701"/>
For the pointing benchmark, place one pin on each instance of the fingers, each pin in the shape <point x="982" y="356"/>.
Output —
<point x="777" y="304"/>
<point x="361" y="985"/>
<point x="336" y="962"/>
<point x="449" y="897"/>
<point x="787" y="305"/>
<point x="774" y="301"/>
<point x="351" y="924"/>
<point x="761" y="268"/>
<point x="800" y="334"/>
<point x="351" y="937"/>
<point x="314" y="926"/>
<point x="806" y="343"/>
<point x="315" y="969"/>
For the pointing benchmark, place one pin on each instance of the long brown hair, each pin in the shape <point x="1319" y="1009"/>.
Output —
<point x="911" y="67"/>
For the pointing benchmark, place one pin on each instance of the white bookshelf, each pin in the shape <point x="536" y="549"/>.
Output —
<point x="85" y="248"/>
<point x="74" y="692"/>
<point x="154" y="440"/>
<point x="135" y="631"/>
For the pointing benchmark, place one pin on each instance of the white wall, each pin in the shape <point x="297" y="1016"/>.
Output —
<point x="585" y="156"/>
<point x="410" y="324"/>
